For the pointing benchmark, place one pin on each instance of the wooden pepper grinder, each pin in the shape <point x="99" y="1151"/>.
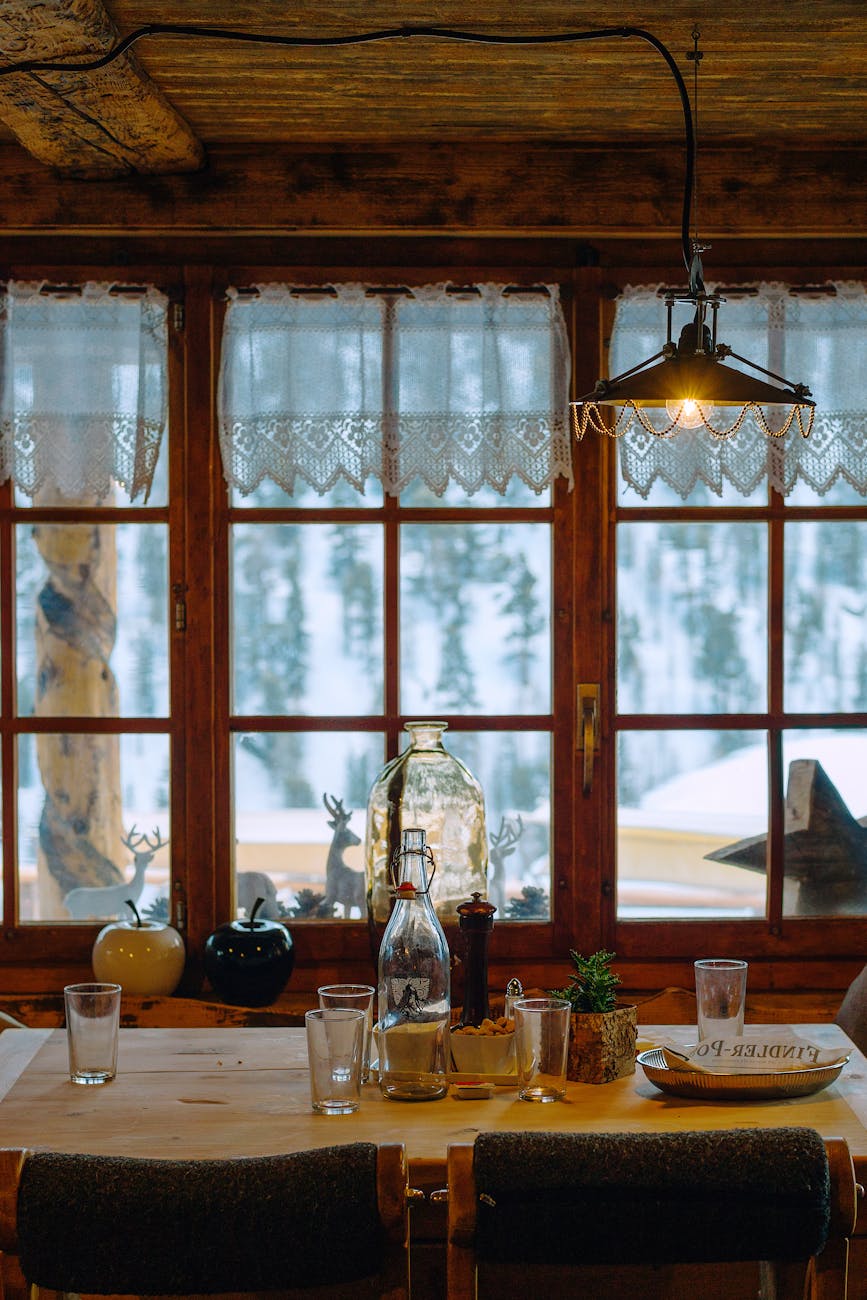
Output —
<point x="476" y="920"/>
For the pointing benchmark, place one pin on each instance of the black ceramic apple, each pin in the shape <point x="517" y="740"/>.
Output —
<point x="249" y="962"/>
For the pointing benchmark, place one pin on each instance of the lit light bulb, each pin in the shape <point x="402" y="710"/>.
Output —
<point x="689" y="412"/>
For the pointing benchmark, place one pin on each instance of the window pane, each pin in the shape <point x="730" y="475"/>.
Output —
<point x="691" y="617"/>
<point x="826" y="839"/>
<point x="683" y="796"/>
<point x="286" y="849"/>
<point x="516" y="494"/>
<point x="826" y="616"/>
<point x="475" y="615"/>
<point x="270" y="495"/>
<point x="661" y="494"/>
<point x="307" y="618"/>
<point x="118" y="496"/>
<point x="80" y="797"/>
<point x="514" y="769"/>
<point x="840" y="494"/>
<point x="92" y="608"/>
<point x="85" y="389"/>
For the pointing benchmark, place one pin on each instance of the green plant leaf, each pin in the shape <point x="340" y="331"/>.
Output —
<point x="592" y="983"/>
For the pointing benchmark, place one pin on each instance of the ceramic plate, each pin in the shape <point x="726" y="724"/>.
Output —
<point x="736" y="1087"/>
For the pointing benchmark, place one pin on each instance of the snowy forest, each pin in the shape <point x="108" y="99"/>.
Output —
<point x="308" y="640"/>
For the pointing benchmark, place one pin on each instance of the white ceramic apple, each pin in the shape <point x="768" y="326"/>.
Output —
<point x="145" y="957"/>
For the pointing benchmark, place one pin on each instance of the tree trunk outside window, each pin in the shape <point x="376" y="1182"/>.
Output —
<point x="81" y="824"/>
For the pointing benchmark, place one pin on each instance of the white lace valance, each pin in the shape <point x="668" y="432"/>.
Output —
<point x="816" y="339"/>
<point x="82" y="389"/>
<point x="424" y="384"/>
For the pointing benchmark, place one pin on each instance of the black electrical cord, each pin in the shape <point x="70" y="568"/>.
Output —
<point x="194" y="31"/>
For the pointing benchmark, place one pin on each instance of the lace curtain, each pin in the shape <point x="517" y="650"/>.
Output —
<point x="430" y="384"/>
<point x="817" y="339"/>
<point x="82" y="389"/>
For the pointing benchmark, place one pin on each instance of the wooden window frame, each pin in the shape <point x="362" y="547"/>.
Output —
<point x="785" y="953"/>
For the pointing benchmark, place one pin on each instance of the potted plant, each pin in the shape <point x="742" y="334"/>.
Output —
<point x="603" y="1031"/>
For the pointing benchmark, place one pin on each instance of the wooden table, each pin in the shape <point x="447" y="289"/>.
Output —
<point x="222" y="1092"/>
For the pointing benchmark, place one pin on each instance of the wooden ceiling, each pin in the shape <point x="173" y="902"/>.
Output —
<point x="790" y="71"/>
<point x="450" y="131"/>
<point x="774" y="73"/>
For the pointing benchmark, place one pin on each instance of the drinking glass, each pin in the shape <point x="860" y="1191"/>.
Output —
<point x="720" y="992"/>
<point x="92" y="1019"/>
<point x="360" y="997"/>
<point x="542" y="1047"/>
<point x="335" y="1040"/>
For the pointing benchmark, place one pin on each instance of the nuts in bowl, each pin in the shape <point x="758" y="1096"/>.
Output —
<point x="488" y="1048"/>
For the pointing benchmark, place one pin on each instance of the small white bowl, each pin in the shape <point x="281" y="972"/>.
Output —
<point x="482" y="1054"/>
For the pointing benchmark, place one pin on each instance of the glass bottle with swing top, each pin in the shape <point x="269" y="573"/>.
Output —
<point x="414" y="982"/>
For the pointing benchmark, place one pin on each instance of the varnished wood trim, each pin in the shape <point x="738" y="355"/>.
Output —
<point x="462" y="1194"/>
<point x="391" y="1189"/>
<point x="448" y="189"/>
<point x="12" y="1161"/>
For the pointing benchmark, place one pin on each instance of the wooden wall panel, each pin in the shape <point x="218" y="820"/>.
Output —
<point x="448" y="189"/>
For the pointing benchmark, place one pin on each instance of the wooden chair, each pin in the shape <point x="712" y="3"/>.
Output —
<point x="331" y="1222"/>
<point x="553" y="1214"/>
<point x="852" y="1015"/>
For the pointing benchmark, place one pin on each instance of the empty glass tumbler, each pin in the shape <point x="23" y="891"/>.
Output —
<point x="92" y="1020"/>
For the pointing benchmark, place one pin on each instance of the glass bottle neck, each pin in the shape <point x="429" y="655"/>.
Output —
<point x="413" y="871"/>
<point x="426" y="735"/>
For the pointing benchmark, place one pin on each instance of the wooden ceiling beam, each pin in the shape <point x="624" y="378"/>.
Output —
<point x="490" y="190"/>
<point x="110" y="122"/>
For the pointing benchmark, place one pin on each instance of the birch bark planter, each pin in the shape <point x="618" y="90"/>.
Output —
<point x="602" y="1045"/>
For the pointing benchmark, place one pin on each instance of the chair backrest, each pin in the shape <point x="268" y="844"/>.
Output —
<point x="107" y="1224"/>
<point x="852" y="1016"/>
<point x="521" y="1202"/>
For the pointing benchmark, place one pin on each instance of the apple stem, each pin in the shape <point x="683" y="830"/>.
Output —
<point x="258" y="903"/>
<point x="131" y="905"/>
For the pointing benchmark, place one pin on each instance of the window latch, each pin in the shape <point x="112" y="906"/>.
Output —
<point x="179" y="591"/>
<point x="588" y="729"/>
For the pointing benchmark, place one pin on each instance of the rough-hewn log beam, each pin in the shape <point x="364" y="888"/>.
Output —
<point x="105" y="123"/>
<point x="448" y="189"/>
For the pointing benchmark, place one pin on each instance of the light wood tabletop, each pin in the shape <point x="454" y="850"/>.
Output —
<point x="223" y="1092"/>
<point x="204" y="1093"/>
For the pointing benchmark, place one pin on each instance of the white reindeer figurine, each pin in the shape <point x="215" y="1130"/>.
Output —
<point x="342" y="884"/>
<point x="502" y="845"/>
<point x="104" y="902"/>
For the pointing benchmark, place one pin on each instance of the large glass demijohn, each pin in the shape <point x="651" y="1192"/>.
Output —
<point x="427" y="787"/>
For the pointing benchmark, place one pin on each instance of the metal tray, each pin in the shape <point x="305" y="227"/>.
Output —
<point x="736" y="1087"/>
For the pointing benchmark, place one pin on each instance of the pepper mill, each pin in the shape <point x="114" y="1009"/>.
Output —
<point x="476" y="920"/>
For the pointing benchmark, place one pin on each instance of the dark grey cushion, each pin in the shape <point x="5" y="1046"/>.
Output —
<point x="612" y="1198"/>
<point x="852" y="1016"/>
<point x="110" y="1224"/>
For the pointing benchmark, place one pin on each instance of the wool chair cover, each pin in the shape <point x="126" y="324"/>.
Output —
<point x="107" y="1224"/>
<point x="623" y="1198"/>
<point x="852" y="1016"/>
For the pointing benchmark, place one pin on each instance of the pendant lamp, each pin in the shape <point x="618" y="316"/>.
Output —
<point x="690" y="377"/>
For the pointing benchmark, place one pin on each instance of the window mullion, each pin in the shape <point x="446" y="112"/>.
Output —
<point x="776" y="776"/>
<point x="202" y="647"/>
<point x="8" y="770"/>
<point x="391" y="530"/>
